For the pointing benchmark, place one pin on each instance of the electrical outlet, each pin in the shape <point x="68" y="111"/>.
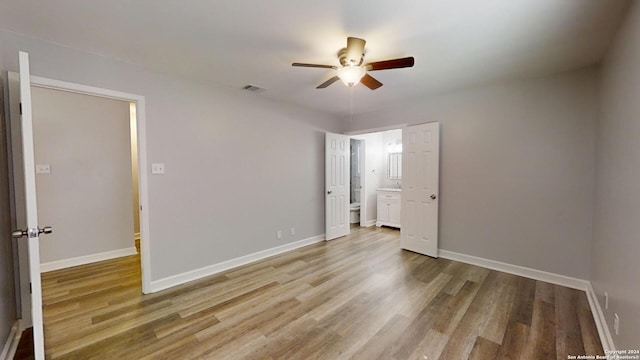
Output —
<point x="606" y="300"/>
<point x="157" y="168"/>
<point x="43" y="169"/>
<point x="292" y="231"/>
<point x="616" y="323"/>
<point x="279" y="234"/>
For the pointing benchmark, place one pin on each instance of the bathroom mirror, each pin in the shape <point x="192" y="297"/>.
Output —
<point x="394" y="166"/>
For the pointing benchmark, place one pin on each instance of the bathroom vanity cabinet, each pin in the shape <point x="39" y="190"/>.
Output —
<point x="389" y="207"/>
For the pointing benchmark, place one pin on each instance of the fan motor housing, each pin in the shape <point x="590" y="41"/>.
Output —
<point x="342" y="56"/>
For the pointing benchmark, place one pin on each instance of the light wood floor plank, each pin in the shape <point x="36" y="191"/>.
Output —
<point x="359" y="297"/>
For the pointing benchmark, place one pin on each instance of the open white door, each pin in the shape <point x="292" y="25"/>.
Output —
<point x="419" y="210"/>
<point x="31" y="232"/>
<point x="337" y="185"/>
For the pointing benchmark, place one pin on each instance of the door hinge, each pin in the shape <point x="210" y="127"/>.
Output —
<point x="30" y="289"/>
<point x="20" y="108"/>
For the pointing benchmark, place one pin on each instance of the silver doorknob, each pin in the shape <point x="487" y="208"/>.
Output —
<point x="433" y="196"/>
<point x="45" y="230"/>
<point x="19" y="233"/>
<point x="329" y="192"/>
<point x="31" y="232"/>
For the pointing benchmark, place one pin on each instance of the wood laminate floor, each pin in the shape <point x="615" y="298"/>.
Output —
<point x="356" y="297"/>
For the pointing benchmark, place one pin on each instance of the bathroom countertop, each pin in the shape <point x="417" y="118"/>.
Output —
<point x="390" y="189"/>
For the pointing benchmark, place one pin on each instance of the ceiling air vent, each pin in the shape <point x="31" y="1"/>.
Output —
<point x="252" y="88"/>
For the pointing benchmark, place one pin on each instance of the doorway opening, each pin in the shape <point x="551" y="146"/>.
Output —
<point x="376" y="164"/>
<point x="135" y="144"/>
<point x="137" y="148"/>
<point x="83" y="147"/>
<point x="411" y="155"/>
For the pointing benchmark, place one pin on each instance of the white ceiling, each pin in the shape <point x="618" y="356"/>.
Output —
<point x="456" y="43"/>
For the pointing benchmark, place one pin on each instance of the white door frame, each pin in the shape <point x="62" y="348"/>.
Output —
<point x="139" y="100"/>
<point x="363" y="182"/>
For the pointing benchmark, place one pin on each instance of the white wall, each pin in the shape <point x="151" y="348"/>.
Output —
<point x="88" y="194"/>
<point x="517" y="169"/>
<point x="239" y="167"/>
<point x="616" y="246"/>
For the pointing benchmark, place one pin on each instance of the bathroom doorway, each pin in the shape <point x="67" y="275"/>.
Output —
<point x="356" y="183"/>
<point x="374" y="165"/>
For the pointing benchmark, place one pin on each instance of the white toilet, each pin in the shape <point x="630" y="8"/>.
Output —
<point x="354" y="213"/>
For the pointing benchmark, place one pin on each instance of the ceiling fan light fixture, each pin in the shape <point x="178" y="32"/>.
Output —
<point x="351" y="75"/>
<point x="352" y="71"/>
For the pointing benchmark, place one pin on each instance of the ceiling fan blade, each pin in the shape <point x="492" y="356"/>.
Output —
<point x="328" y="82"/>
<point x="390" y="64"/>
<point x="370" y="82"/>
<point x="355" y="51"/>
<point x="315" y="66"/>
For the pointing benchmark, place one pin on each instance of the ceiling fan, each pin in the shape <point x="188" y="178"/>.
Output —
<point x="352" y="71"/>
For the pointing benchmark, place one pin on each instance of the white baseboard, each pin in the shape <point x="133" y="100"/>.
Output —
<point x="11" y="345"/>
<point x="584" y="285"/>
<point x="530" y="273"/>
<point x="185" y="277"/>
<point x="87" y="259"/>
<point x="600" y="320"/>
<point x="370" y="223"/>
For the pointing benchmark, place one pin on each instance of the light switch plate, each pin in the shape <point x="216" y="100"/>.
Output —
<point x="157" y="168"/>
<point x="43" y="168"/>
